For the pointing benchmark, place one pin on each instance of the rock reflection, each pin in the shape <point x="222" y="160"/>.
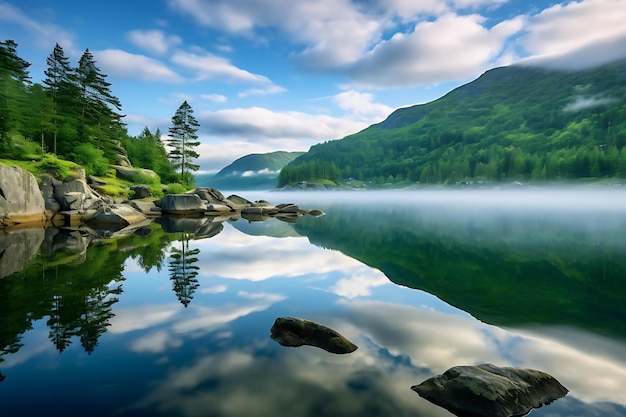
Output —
<point x="295" y="332"/>
<point x="490" y="391"/>
<point x="17" y="249"/>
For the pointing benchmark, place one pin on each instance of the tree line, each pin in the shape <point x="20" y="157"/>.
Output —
<point x="512" y="124"/>
<point x="74" y="115"/>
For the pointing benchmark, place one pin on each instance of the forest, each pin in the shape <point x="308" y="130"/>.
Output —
<point x="72" y="115"/>
<point x="511" y="124"/>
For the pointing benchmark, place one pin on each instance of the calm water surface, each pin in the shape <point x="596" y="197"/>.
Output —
<point x="174" y="319"/>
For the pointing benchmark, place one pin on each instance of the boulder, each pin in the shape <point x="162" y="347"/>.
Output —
<point x="294" y="332"/>
<point x="146" y="207"/>
<point x="115" y="214"/>
<point x="181" y="204"/>
<point x="140" y="191"/>
<point x="210" y="195"/>
<point x="238" y="202"/>
<point x="64" y="195"/>
<point x="21" y="200"/>
<point x="130" y="173"/>
<point x="490" y="391"/>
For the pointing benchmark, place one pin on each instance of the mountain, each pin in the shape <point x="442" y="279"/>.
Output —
<point x="515" y="123"/>
<point x="250" y="172"/>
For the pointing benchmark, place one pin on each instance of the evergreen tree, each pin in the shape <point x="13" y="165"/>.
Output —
<point x="183" y="141"/>
<point x="59" y="82"/>
<point x="96" y="98"/>
<point x="14" y="79"/>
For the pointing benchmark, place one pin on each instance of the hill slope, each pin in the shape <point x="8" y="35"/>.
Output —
<point x="254" y="171"/>
<point x="512" y="123"/>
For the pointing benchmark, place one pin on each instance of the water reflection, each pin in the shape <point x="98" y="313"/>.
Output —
<point x="183" y="271"/>
<point x="153" y="355"/>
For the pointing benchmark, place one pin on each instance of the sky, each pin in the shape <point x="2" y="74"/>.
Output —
<point x="270" y="75"/>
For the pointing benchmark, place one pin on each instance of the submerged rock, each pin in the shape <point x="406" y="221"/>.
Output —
<point x="490" y="391"/>
<point x="294" y="332"/>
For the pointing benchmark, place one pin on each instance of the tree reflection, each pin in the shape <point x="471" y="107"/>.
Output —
<point x="74" y="285"/>
<point x="183" y="272"/>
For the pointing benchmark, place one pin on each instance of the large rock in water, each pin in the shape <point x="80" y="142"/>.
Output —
<point x="294" y="332"/>
<point x="121" y="215"/>
<point x="490" y="391"/>
<point x="181" y="204"/>
<point x="21" y="200"/>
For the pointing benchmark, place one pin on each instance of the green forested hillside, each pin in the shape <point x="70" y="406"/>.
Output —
<point x="512" y="124"/>
<point x="71" y="115"/>
<point x="253" y="171"/>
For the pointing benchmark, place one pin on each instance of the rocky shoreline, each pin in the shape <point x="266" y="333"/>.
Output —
<point x="27" y="202"/>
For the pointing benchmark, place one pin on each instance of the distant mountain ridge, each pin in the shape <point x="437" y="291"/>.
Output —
<point x="513" y="123"/>
<point x="250" y="172"/>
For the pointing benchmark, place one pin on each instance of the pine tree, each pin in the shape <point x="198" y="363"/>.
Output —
<point x="14" y="80"/>
<point x="59" y="81"/>
<point x="96" y="98"/>
<point x="183" y="141"/>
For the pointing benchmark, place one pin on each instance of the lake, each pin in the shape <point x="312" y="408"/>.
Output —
<point x="174" y="318"/>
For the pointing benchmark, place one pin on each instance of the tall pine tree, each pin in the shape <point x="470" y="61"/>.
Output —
<point x="59" y="83"/>
<point x="14" y="80"/>
<point x="183" y="141"/>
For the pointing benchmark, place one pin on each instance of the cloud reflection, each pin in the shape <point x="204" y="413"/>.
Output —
<point x="235" y="255"/>
<point x="398" y="347"/>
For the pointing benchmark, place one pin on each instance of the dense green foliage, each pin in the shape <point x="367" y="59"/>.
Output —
<point x="148" y="151"/>
<point x="73" y="114"/>
<point x="512" y="123"/>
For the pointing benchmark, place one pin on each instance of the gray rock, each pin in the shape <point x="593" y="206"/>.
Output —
<point x="238" y="202"/>
<point x="490" y="391"/>
<point x="115" y="214"/>
<point x="21" y="200"/>
<point x="140" y="191"/>
<point x="294" y="332"/>
<point x="129" y="173"/>
<point x="72" y="200"/>
<point x="63" y="195"/>
<point x="210" y="195"/>
<point x="181" y="204"/>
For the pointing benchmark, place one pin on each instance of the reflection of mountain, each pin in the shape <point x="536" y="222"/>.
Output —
<point x="270" y="227"/>
<point x="533" y="269"/>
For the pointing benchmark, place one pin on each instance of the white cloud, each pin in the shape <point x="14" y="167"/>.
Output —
<point x="362" y="106"/>
<point x="577" y="34"/>
<point x="217" y="98"/>
<point x="229" y="134"/>
<point x="122" y="64"/>
<point x="259" y="122"/>
<point x="209" y="66"/>
<point x="334" y="31"/>
<point x="272" y="89"/>
<point x="451" y="47"/>
<point x="154" y="41"/>
<point x="45" y="35"/>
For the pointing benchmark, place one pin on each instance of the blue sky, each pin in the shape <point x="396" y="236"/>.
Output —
<point x="267" y="75"/>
